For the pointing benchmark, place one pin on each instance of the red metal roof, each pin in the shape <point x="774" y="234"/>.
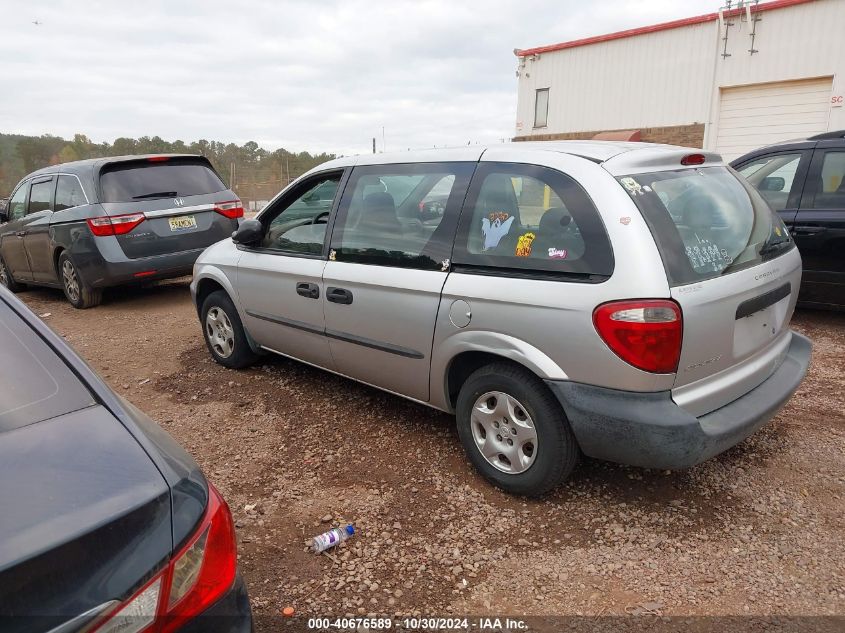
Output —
<point x="663" y="26"/>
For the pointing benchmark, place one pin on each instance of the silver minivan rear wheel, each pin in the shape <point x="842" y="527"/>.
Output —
<point x="514" y="430"/>
<point x="504" y="433"/>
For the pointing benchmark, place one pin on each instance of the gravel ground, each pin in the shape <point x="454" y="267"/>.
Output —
<point x="755" y="531"/>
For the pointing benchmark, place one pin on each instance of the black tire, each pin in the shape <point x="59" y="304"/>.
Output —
<point x="556" y="448"/>
<point x="78" y="293"/>
<point x="241" y="354"/>
<point x="7" y="280"/>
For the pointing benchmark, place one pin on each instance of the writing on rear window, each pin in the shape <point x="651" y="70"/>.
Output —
<point x="707" y="222"/>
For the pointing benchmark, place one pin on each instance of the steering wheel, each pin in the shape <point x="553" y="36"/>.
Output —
<point x="316" y="218"/>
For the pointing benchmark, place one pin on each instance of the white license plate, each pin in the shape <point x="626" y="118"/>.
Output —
<point x="183" y="223"/>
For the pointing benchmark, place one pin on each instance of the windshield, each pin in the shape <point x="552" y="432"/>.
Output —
<point x="707" y="222"/>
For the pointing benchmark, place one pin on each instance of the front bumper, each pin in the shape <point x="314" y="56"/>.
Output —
<point x="650" y="430"/>
<point x="230" y="614"/>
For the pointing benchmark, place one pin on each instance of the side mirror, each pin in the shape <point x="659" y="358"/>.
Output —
<point x="249" y="232"/>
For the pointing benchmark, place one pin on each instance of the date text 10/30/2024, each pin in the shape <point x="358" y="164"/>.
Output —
<point x="491" y="624"/>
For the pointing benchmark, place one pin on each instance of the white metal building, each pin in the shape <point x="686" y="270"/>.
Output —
<point x="750" y="75"/>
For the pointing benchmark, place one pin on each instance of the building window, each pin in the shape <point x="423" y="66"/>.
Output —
<point x="541" y="107"/>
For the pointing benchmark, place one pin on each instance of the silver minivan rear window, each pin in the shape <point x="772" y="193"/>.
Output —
<point x="707" y="222"/>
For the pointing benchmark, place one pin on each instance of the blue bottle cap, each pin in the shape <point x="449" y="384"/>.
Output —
<point x="350" y="530"/>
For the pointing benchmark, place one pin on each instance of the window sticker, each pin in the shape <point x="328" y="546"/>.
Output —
<point x="707" y="256"/>
<point x="494" y="227"/>
<point x="523" y="245"/>
<point x="632" y="186"/>
<point x="557" y="253"/>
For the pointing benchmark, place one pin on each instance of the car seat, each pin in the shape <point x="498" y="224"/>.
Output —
<point x="498" y="217"/>
<point x="557" y="236"/>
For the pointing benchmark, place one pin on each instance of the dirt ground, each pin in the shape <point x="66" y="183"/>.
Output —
<point x="757" y="530"/>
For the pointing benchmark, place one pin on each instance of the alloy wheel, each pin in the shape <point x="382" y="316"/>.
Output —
<point x="71" y="281"/>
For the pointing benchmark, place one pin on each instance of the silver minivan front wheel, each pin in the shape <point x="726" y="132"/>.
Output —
<point x="219" y="331"/>
<point x="504" y="432"/>
<point x="224" y="333"/>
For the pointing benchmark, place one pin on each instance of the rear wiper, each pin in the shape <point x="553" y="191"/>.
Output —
<point x="156" y="194"/>
<point x="771" y="247"/>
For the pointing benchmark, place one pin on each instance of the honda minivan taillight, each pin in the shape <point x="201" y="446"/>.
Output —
<point x="115" y="224"/>
<point x="233" y="209"/>
<point x="646" y="334"/>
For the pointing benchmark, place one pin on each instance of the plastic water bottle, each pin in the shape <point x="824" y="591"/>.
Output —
<point x="329" y="539"/>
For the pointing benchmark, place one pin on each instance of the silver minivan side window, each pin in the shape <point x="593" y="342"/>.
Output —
<point x="296" y="224"/>
<point x="531" y="219"/>
<point x="401" y="215"/>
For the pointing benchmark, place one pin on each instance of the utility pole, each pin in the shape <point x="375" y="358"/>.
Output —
<point x="383" y="144"/>
<point x="374" y="145"/>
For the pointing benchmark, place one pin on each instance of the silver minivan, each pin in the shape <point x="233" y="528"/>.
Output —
<point x="627" y="301"/>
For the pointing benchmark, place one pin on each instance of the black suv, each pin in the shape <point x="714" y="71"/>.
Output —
<point x="804" y="181"/>
<point x="91" y="224"/>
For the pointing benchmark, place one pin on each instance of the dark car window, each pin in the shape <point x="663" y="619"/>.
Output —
<point x="773" y="176"/>
<point x="40" y="196"/>
<point x="400" y="215"/>
<point x="17" y="203"/>
<point x="35" y="383"/>
<point x="300" y="226"/>
<point x="152" y="179"/>
<point x="830" y="192"/>
<point x="707" y="222"/>
<point x="69" y="193"/>
<point x="531" y="218"/>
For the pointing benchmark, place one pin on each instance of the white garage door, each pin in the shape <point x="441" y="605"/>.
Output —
<point x="762" y="114"/>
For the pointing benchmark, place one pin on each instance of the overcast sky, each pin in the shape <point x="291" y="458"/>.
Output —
<point x="320" y="75"/>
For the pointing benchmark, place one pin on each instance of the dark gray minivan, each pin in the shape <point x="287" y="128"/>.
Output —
<point x="87" y="225"/>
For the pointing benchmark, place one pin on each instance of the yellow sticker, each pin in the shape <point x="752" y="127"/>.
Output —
<point x="523" y="245"/>
<point x="778" y="231"/>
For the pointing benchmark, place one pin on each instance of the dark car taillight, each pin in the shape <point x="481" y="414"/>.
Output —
<point x="233" y="209"/>
<point x="197" y="576"/>
<point x="646" y="334"/>
<point x="115" y="224"/>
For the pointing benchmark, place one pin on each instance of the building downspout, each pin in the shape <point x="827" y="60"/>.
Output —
<point x="709" y="138"/>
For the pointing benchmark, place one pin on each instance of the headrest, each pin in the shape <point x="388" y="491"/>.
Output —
<point x="554" y="220"/>
<point x="700" y="212"/>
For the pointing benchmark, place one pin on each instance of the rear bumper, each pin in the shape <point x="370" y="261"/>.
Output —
<point x="101" y="272"/>
<point x="650" y="430"/>
<point x="230" y="614"/>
